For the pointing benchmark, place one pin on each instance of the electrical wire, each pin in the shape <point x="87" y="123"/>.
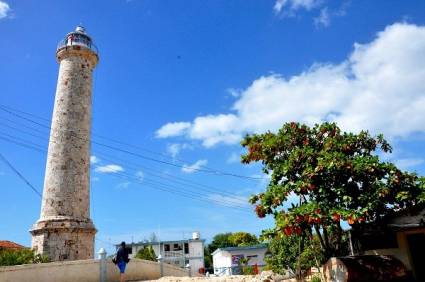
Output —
<point x="204" y="169"/>
<point x="154" y="184"/>
<point x="147" y="170"/>
<point x="20" y="175"/>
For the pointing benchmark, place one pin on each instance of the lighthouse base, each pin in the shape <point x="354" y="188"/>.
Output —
<point x="64" y="239"/>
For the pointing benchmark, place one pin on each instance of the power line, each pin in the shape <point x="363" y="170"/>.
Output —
<point x="157" y="185"/>
<point x="15" y="170"/>
<point x="204" y="169"/>
<point x="103" y="241"/>
<point x="227" y="201"/>
<point x="175" y="179"/>
<point x="23" y="145"/>
<point x="159" y="174"/>
<point x="166" y="188"/>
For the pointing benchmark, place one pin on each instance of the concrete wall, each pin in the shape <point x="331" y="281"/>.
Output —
<point x="85" y="271"/>
<point x="222" y="259"/>
<point x="402" y="253"/>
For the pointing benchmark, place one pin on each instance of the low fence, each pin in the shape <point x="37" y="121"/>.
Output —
<point x="88" y="271"/>
<point x="239" y="270"/>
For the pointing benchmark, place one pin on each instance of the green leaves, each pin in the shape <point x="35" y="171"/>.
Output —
<point x="146" y="253"/>
<point x="24" y="256"/>
<point x="334" y="172"/>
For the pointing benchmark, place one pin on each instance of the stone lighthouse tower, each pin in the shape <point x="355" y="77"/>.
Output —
<point x="65" y="230"/>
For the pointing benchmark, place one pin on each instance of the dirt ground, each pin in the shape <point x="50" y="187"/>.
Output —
<point x="265" y="276"/>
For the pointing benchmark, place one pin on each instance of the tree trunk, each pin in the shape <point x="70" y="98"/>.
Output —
<point x="319" y="235"/>
<point x="299" y="274"/>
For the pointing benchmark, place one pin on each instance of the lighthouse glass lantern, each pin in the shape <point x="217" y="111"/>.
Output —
<point x="79" y="37"/>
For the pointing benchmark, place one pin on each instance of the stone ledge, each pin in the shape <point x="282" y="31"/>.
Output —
<point x="63" y="223"/>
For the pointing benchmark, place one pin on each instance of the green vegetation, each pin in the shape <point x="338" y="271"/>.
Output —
<point x="243" y="239"/>
<point x="24" y="256"/>
<point x="147" y="253"/>
<point x="321" y="176"/>
<point x="316" y="279"/>
<point x="207" y="258"/>
<point x="284" y="254"/>
<point x="245" y="268"/>
<point x="224" y="240"/>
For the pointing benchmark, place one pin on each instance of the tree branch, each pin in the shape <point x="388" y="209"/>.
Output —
<point x="322" y="244"/>
<point x="326" y="237"/>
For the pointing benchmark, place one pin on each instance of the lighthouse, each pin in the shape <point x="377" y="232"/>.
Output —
<point x="65" y="230"/>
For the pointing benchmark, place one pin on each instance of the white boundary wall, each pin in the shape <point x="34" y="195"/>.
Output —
<point x="86" y="271"/>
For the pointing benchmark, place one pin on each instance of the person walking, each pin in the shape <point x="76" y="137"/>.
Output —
<point x="121" y="260"/>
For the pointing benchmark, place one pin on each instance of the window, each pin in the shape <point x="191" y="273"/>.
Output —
<point x="186" y="248"/>
<point x="166" y="247"/>
<point x="177" y="247"/>
<point x="253" y="256"/>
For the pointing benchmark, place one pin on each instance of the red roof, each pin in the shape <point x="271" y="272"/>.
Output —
<point x="4" y="244"/>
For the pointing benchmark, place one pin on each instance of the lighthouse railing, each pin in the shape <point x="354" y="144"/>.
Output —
<point x="77" y="42"/>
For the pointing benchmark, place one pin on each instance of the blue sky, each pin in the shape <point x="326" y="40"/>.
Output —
<point x="185" y="80"/>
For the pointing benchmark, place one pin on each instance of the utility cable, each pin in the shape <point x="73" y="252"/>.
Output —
<point x="138" y="180"/>
<point x="15" y="170"/>
<point x="147" y="170"/>
<point x="204" y="169"/>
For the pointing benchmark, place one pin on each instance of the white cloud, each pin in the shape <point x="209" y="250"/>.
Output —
<point x="94" y="160"/>
<point x="111" y="168"/>
<point x="140" y="175"/>
<point x="295" y="5"/>
<point x="175" y="148"/>
<point x="323" y="19"/>
<point x="194" y="167"/>
<point x="4" y="9"/>
<point x="233" y="201"/>
<point x="172" y="129"/>
<point x="326" y="15"/>
<point x="235" y="93"/>
<point x="290" y="8"/>
<point x="405" y="164"/>
<point x="379" y="87"/>
<point x="233" y="158"/>
<point x="123" y="185"/>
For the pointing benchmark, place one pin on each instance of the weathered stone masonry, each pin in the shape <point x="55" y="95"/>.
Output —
<point x="65" y="230"/>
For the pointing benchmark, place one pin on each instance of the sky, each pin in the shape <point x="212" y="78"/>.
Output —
<point x="178" y="85"/>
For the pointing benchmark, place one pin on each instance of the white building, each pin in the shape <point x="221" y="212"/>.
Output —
<point x="226" y="260"/>
<point x="177" y="252"/>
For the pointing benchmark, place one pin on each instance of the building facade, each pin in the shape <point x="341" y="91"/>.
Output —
<point x="65" y="230"/>
<point x="226" y="260"/>
<point x="400" y="235"/>
<point x="180" y="253"/>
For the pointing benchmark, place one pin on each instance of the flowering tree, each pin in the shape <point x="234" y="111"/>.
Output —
<point x="335" y="175"/>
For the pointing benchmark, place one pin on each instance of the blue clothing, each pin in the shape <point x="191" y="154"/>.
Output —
<point x="122" y="259"/>
<point x="122" y="255"/>
<point x="121" y="265"/>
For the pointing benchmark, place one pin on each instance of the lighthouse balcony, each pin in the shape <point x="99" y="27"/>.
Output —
<point x="79" y="41"/>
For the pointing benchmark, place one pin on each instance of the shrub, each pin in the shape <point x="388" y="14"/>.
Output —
<point x="24" y="256"/>
<point x="146" y="253"/>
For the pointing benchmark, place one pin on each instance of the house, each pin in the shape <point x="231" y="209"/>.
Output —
<point x="400" y="235"/>
<point x="9" y="245"/>
<point x="226" y="260"/>
<point x="180" y="253"/>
